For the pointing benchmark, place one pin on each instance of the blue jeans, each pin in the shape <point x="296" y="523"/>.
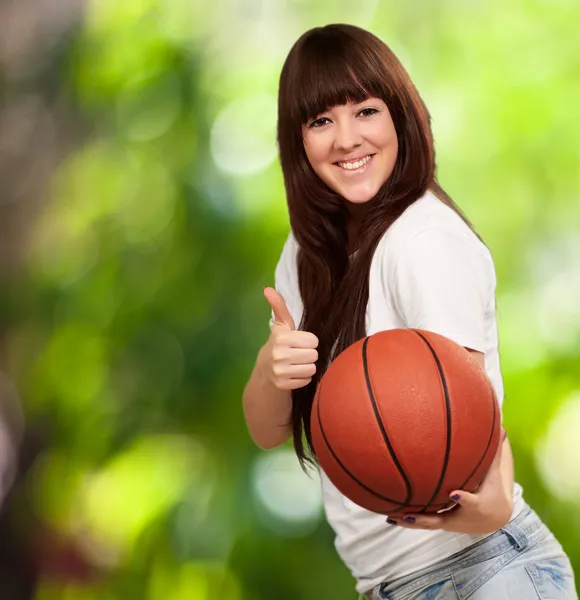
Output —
<point x="522" y="561"/>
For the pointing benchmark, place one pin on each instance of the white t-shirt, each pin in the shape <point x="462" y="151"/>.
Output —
<point x="429" y="271"/>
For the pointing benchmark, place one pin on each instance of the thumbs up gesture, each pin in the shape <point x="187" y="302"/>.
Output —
<point x="289" y="356"/>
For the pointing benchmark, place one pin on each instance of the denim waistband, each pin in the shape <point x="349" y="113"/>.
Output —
<point x="522" y="532"/>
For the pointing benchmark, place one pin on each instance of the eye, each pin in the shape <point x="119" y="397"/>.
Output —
<point x="318" y="122"/>
<point x="367" y="112"/>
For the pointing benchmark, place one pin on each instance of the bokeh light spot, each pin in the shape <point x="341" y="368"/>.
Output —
<point x="203" y="580"/>
<point x="243" y="137"/>
<point x="557" y="453"/>
<point x="292" y="500"/>
<point x="139" y="484"/>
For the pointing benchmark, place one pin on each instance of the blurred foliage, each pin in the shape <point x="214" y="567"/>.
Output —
<point x="134" y="323"/>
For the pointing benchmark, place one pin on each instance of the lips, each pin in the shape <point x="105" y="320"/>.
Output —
<point x="356" y="165"/>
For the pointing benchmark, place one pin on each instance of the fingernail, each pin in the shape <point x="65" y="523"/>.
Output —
<point x="503" y="435"/>
<point x="391" y="522"/>
<point x="409" y="519"/>
<point x="455" y="497"/>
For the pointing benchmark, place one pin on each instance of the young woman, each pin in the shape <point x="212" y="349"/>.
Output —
<point x="376" y="244"/>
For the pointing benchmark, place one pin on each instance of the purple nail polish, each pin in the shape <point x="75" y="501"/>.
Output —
<point x="391" y="522"/>
<point x="409" y="519"/>
<point x="455" y="497"/>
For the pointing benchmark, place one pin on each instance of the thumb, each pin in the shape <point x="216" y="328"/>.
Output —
<point x="282" y="315"/>
<point x="463" y="498"/>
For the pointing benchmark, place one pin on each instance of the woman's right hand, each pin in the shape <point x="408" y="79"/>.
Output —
<point x="289" y="356"/>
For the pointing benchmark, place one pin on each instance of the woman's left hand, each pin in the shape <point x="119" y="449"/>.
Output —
<point x="486" y="510"/>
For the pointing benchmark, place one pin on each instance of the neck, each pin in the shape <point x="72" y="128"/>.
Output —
<point x="352" y="230"/>
<point x="356" y="211"/>
<point x="355" y="216"/>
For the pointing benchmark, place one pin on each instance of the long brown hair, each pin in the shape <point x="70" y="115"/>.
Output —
<point x="329" y="66"/>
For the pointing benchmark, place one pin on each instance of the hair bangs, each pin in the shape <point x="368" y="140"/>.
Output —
<point x="330" y="79"/>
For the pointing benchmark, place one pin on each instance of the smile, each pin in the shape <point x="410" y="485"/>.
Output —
<point x="355" y="166"/>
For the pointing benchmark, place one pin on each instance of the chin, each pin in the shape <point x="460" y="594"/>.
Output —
<point x="360" y="198"/>
<point x="358" y="201"/>
<point x="362" y="195"/>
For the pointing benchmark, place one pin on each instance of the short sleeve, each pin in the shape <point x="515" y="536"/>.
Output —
<point x="285" y="277"/>
<point x="442" y="281"/>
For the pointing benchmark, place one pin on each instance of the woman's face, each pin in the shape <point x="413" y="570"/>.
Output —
<point x="352" y="148"/>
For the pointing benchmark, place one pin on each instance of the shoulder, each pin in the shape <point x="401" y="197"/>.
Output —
<point x="430" y="223"/>
<point x="430" y="243"/>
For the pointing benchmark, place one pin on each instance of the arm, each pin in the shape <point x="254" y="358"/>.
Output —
<point x="507" y="472"/>
<point x="507" y="460"/>
<point x="486" y="510"/>
<point x="444" y="281"/>
<point x="266" y="408"/>
<point x="286" y="362"/>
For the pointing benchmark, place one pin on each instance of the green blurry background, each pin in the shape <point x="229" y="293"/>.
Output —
<point x="142" y="213"/>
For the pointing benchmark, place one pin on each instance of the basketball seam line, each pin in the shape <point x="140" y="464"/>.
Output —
<point x="488" y="441"/>
<point x="400" y="504"/>
<point x="350" y="474"/>
<point x="448" y="421"/>
<point x="382" y="427"/>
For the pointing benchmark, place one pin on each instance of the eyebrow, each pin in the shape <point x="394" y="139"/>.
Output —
<point x="329" y="109"/>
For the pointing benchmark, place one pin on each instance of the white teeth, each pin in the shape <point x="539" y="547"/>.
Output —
<point x="351" y="166"/>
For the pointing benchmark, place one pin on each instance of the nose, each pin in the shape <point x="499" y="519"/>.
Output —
<point x="347" y="135"/>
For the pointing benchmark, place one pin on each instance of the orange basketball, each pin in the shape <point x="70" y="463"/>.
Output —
<point x="402" y="418"/>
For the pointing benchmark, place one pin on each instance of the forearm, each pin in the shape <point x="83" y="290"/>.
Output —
<point x="267" y="410"/>
<point x="501" y="508"/>
<point x="495" y="495"/>
<point x="507" y="468"/>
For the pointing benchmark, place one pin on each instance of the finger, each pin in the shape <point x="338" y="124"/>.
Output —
<point x="304" y="357"/>
<point x="417" y="521"/>
<point x="452" y="521"/>
<point x="303" y="340"/>
<point x="294" y="384"/>
<point x="282" y="315"/>
<point x="296" y="356"/>
<point x="294" y="371"/>
<point x="463" y="498"/>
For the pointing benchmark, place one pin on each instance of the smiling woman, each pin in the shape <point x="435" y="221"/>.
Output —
<point x="353" y="148"/>
<point x="376" y="244"/>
